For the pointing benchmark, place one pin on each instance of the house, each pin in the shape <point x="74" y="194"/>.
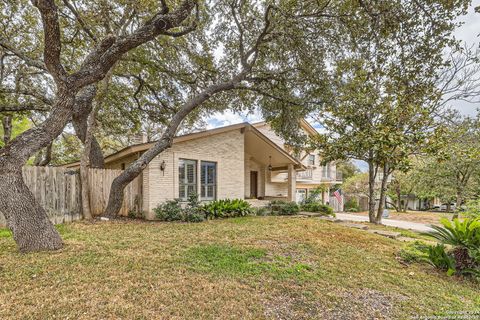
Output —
<point x="246" y="161"/>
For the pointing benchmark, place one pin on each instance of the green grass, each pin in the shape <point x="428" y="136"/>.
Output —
<point x="228" y="260"/>
<point x="243" y="268"/>
<point x="5" y="233"/>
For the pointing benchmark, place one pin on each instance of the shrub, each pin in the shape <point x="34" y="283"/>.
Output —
<point x="458" y="233"/>
<point x="473" y="209"/>
<point x="283" y="208"/>
<point x="169" y="211"/>
<point x="464" y="236"/>
<point x="318" y="207"/>
<point x="439" y="258"/>
<point x="227" y="208"/>
<point x="351" y="205"/>
<point x="136" y="214"/>
<point x="193" y="211"/>
<point x="261" y="211"/>
<point x="313" y="196"/>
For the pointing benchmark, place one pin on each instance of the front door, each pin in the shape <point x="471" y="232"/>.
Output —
<point x="253" y="184"/>
<point x="301" y="195"/>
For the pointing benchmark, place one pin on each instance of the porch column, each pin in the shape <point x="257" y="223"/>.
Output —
<point x="292" y="183"/>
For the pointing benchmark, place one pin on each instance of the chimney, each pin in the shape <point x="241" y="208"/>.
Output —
<point x="139" y="138"/>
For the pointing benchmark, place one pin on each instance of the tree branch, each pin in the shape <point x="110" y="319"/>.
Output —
<point x="52" y="38"/>
<point x="111" y="49"/>
<point x="24" y="107"/>
<point x="29" y="61"/>
<point x="80" y="20"/>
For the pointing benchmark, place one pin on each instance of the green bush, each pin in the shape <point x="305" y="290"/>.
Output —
<point x="440" y="258"/>
<point x="169" y="211"/>
<point x="227" y="208"/>
<point x="314" y="195"/>
<point x="261" y="211"/>
<point x="464" y="237"/>
<point x="283" y="208"/>
<point x="136" y="214"/>
<point x="318" y="207"/>
<point x="193" y="211"/>
<point x="473" y="209"/>
<point x="458" y="233"/>
<point x="351" y="205"/>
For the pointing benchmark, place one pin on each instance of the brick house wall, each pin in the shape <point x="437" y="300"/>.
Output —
<point x="226" y="149"/>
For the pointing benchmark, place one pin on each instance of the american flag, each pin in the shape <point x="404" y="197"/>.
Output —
<point x="338" y="195"/>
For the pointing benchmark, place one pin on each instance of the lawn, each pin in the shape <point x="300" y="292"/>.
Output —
<point x="243" y="268"/>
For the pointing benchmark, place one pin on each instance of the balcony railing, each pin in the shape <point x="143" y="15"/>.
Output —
<point x="339" y="176"/>
<point x="305" y="175"/>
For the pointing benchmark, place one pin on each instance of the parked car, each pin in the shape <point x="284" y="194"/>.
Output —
<point x="443" y="207"/>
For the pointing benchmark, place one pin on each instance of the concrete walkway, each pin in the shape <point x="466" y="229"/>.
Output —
<point x="419" y="227"/>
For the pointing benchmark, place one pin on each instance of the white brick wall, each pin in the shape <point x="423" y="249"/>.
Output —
<point x="226" y="149"/>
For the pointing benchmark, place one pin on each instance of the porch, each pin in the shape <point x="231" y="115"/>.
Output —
<point x="270" y="172"/>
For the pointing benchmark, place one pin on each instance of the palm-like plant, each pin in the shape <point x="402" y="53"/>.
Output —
<point x="464" y="233"/>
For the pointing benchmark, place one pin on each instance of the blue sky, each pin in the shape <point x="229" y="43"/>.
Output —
<point x="468" y="33"/>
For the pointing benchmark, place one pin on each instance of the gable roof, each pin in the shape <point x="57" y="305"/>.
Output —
<point x="304" y="124"/>
<point x="142" y="147"/>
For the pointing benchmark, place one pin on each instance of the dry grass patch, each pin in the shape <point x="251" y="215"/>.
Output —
<point x="415" y="216"/>
<point x="249" y="268"/>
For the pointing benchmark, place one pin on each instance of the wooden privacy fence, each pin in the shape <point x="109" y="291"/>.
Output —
<point x="58" y="191"/>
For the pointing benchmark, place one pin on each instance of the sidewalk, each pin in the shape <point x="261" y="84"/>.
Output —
<point x="419" y="227"/>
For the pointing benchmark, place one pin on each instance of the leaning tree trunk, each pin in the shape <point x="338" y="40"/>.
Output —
<point x="371" y="192"/>
<point x="115" y="199"/>
<point x="28" y="221"/>
<point x="31" y="228"/>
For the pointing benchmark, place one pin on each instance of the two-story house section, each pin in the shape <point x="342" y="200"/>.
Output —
<point x="311" y="176"/>
<point x="233" y="162"/>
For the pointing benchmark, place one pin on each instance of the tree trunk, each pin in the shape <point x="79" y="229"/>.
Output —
<point x="399" y="199"/>
<point x="459" y="203"/>
<point x="48" y="156"/>
<point x="83" y="108"/>
<point x="371" y="192"/>
<point x="85" y="160"/>
<point x="31" y="228"/>
<point x="7" y="129"/>
<point x="383" y="193"/>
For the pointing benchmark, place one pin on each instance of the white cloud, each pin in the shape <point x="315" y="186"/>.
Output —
<point x="226" y="118"/>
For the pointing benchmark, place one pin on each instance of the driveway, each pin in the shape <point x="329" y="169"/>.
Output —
<point x="415" y="226"/>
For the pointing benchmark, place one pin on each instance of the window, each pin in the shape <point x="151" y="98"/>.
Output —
<point x="187" y="178"/>
<point x="208" y="180"/>
<point x="326" y="171"/>
<point x="311" y="159"/>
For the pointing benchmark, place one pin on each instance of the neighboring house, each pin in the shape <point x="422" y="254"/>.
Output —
<point x="237" y="161"/>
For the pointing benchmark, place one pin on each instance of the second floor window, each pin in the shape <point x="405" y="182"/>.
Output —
<point x="187" y="178"/>
<point x="311" y="159"/>
<point x="326" y="171"/>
